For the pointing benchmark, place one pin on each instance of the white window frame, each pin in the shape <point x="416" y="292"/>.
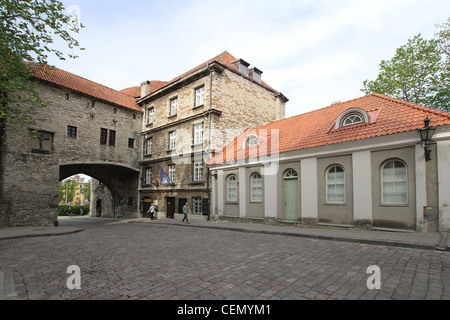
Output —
<point x="199" y="96"/>
<point x="150" y="115"/>
<point x="232" y="188"/>
<point x="148" y="176"/>
<point x="394" y="181"/>
<point x="335" y="184"/>
<point x="352" y="119"/>
<point x="256" y="187"/>
<point x="197" y="205"/>
<point x="172" y="172"/>
<point x="149" y="146"/>
<point x="173" y="140"/>
<point x="173" y="105"/>
<point x="251" y="141"/>
<point x="198" y="133"/>
<point x="198" y="171"/>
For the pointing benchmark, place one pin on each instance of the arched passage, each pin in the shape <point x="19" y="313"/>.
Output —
<point x="115" y="194"/>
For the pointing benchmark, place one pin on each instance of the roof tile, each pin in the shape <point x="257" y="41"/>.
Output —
<point x="314" y="129"/>
<point x="70" y="81"/>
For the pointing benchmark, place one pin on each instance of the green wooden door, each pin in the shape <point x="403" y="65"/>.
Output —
<point x="291" y="199"/>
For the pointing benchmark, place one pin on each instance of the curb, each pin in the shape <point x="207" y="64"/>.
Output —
<point x="39" y="232"/>
<point x="316" y="237"/>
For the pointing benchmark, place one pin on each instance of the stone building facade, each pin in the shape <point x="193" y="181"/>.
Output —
<point x="190" y="118"/>
<point x="86" y="128"/>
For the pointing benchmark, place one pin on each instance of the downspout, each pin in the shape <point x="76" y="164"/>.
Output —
<point x="208" y="174"/>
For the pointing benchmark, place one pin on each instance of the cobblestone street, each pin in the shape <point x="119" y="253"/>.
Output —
<point x="169" y="262"/>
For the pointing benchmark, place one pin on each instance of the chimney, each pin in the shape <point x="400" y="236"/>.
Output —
<point x="255" y="73"/>
<point x="145" y="88"/>
<point x="242" y="66"/>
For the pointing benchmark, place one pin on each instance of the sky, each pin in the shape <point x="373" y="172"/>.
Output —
<point x="315" y="52"/>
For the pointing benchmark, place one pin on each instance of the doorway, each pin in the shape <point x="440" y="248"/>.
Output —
<point x="170" y="207"/>
<point x="290" y="194"/>
<point x="98" y="208"/>
<point x="146" y="203"/>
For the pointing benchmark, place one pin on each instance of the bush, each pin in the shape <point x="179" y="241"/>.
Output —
<point x="63" y="210"/>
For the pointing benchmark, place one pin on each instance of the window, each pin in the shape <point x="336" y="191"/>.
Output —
<point x="149" y="146"/>
<point x="92" y="104"/>
<point x="199" y="96"/>
<point x="71" y="132"/>
<point x="150" y="115"/>
<point x="173" y="107"/>
<point x="172" y="173"/>
<point x="232" y="188"/>
<point x="131" y="143"/>
<point x="172" y="140"/>
<point x="103" y="136"/>
<point x="336" y="185"/>
<point x="256" y="187"/>
<point x="291" y="174"/>
<point x="42" y="142"/>
<point x="67" y="97"/>
<point x="198" y="171"/>
<point x="198" y="133"/>
<point x="352" y="119"/>
<point x="148" y="176"/>
<point x="197" y="205"/>
<point x="112" y="138"/>
<point x="394" y="183"/>
<point x="251" y="141"/>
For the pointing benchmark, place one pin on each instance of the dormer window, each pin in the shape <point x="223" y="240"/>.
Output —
<point x="351" y="117"/>
<point x="242" y="66"/>
<point x="251" y="141"/>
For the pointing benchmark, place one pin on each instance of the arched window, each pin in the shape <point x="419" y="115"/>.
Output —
<point x="251" y="141"/>
<point x="232" y="188"/>
<point x="394" y="183"/>
<point x="336" y="184"/>
<point x="291" y="174"/>
<point x="352" y="119"/>
<point x="351" y="116"/>
<point x="256" y="187"/>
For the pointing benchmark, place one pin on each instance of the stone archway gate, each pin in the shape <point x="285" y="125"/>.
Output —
<point x="86" y="128"/>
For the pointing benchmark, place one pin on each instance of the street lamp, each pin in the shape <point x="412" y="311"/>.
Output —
<point x="426" y="134"/>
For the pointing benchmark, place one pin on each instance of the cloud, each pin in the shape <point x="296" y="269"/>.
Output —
<point x="313" y="51"/>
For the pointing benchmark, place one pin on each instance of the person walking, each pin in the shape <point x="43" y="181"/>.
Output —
<point x="186" y="211"/>
<point x="152" y="211"/>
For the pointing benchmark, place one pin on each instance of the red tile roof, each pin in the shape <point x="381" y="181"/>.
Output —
<point x="136" y="91"/>
<point x="73" y="82"/>
<point x="317" y="128"/>
<point x="224" y="58"/>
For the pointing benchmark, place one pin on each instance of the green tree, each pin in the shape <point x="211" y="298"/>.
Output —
<point x="66" y="191"/>
<point x="28" y="29"/>
<point x="419" y="72"/>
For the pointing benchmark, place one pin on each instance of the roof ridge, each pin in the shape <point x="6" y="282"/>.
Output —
<point x="80" y="77"/>
<point x="411" y="104"/>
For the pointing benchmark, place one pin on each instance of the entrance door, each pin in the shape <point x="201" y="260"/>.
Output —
<point x="98" y="208"/>
<point x="290" y="188"/>
<point x="170" y="207"/>
<point x="146" y="203"/>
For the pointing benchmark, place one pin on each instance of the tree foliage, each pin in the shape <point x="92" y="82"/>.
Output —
<point x="419" y="72"/>
<point x="28" y="30"/>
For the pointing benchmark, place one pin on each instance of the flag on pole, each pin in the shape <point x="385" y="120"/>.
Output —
<point x="164" y="180"/>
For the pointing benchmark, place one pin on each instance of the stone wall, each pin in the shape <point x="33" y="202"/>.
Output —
<point x="31" y="170"/>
